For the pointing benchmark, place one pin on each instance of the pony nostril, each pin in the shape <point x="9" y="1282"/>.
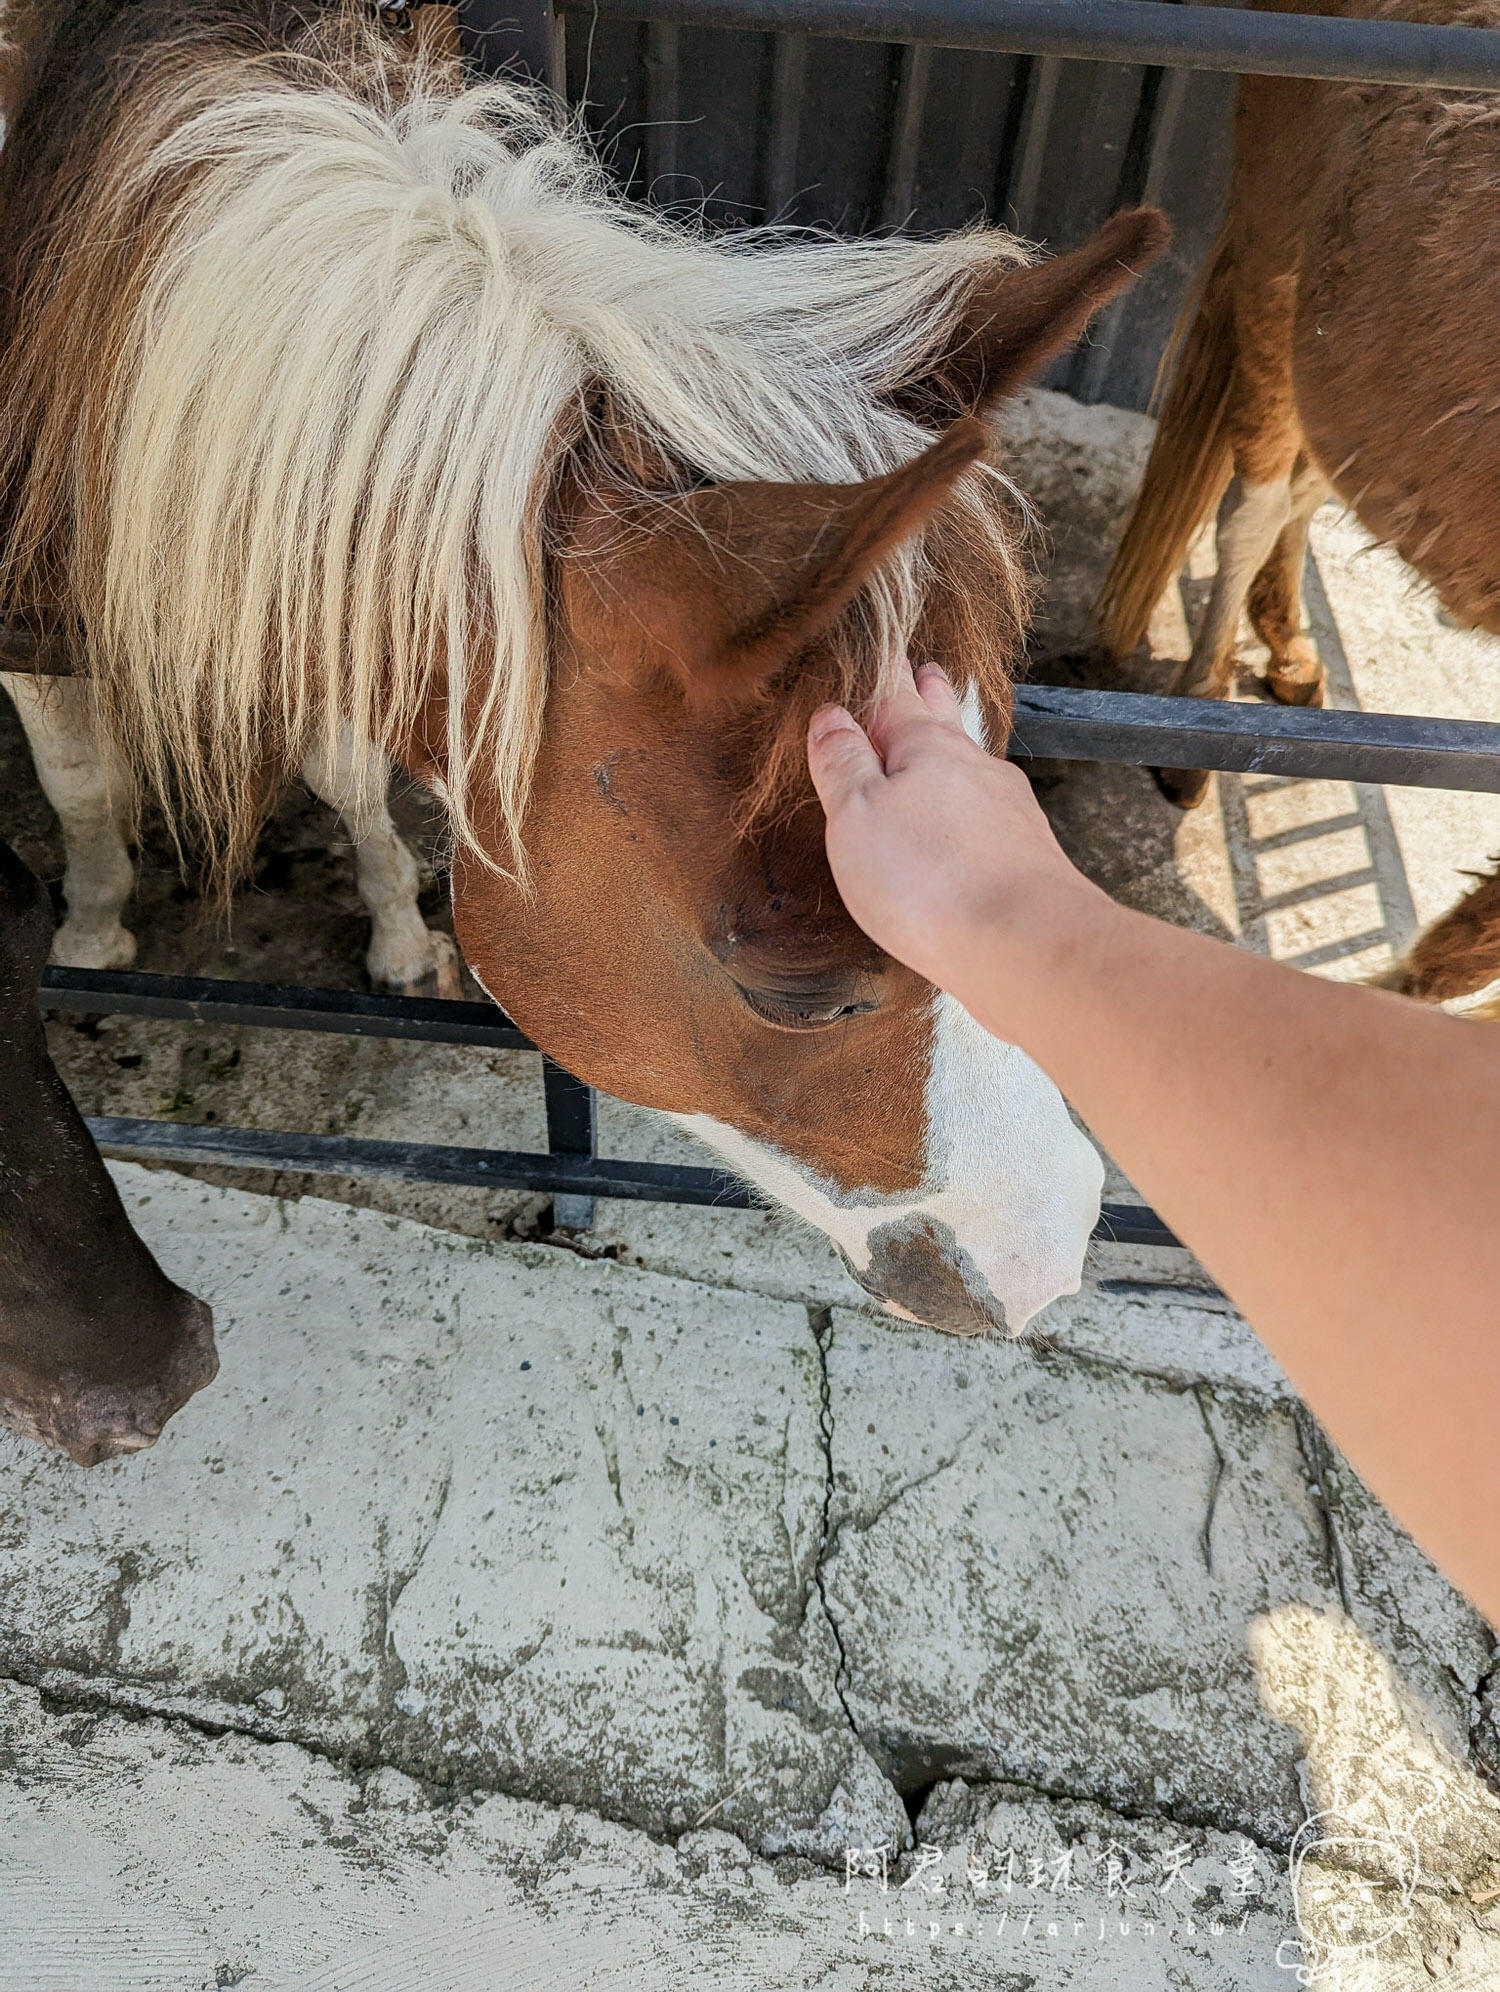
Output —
<point x="918" y="1270"/>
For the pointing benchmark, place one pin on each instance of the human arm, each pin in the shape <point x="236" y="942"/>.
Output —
<point x="1331" y="1153"/>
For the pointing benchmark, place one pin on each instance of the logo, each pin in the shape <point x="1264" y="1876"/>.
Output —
<point x="1355" y="1869"/>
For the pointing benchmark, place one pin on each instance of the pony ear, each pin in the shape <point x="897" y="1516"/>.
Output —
<point x="1016" y="319"/>
<point x="724" y="586"/>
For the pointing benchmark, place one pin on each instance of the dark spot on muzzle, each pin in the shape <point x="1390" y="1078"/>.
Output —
<point x="918" y="1264"/>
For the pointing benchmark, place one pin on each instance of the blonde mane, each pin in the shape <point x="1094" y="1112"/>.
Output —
<point x="305" y="335"/>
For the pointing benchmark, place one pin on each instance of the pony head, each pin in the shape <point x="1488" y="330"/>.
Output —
<point x="677" y="938"/>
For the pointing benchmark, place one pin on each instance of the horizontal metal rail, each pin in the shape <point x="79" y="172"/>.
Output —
<point x="1051" y="723"/>
<point x="418" y="1162"/>
<point x="197" y="999"/>
<point x="1142" y="31"/>
<point x="1056" y="723"/>
<point x="486" y="1168"/>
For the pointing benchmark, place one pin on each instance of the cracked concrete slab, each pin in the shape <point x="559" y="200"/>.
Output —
<point x="137" y="1855"/>
<point x="1042" y="1570"/>
<point x="495" y="1515"/>
<point x="503" y="1517"/>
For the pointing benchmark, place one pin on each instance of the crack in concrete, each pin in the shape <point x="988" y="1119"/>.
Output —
<point x="390" y="1667"/>
<point x="1180" y="1383"/>
<point x="117" y="1603"/>
<point x="1316" y="1462"/>
<point x="1041" y="1345"/>
<point x="91" y="1696"/>
<point x="94" y="1697"/>
<point x="867" y="1518"/>
<point x="1486" y="1761"/>
<point x="820" y="1322"/>
<point x="1221" y="1467"/>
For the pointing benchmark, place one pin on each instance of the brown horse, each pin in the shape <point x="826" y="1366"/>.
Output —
<point x="341" y="399"/>
<point x="1344" y="338"/>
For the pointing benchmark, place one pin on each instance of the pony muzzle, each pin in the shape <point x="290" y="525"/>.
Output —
<point x="918" y="1271"/>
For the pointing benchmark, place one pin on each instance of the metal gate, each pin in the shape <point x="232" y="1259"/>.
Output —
<point x="1043" y="114"/>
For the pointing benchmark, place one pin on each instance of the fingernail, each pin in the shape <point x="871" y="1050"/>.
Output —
<point x="935" y="671"/>
<point x="830" y="719"/>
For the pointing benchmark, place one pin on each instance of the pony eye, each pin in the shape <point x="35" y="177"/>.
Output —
<point x="805" y="1010"/>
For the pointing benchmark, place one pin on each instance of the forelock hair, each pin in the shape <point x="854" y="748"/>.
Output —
<point x="305" y="332"/>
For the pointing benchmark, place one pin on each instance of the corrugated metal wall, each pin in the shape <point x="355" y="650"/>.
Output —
<point x="864" y="136"/>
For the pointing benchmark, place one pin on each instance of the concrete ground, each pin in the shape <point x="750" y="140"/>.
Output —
<point x="548" y="1621"/>
<point x="517" y="1612"/>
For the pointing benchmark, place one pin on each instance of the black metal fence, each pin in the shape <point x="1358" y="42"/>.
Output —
<point x="1052" y="723"/>
<point x="570" y="1171"/>
<point x="1043" y="114"/>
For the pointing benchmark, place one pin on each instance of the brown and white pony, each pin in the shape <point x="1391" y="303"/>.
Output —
<point x="338" y="399"/>
<point x="94" y="794"/>
<point x="1345" y="337"/>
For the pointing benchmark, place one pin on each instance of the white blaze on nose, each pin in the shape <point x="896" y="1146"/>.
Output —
<point x="1019" y="1185"/>
<point x="1008" y="1174"/>
<point x="1014" y="1179"/>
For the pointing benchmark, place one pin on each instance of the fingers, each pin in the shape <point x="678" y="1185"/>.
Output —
<point x="915" y="710"/>
<point x="843" y="757"/>
<point x="935" y="688"/>
<point x="839" y="756"/>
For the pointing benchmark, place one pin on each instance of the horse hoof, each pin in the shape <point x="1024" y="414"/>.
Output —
<point x="92" y="1422"/>
<point x="447" y="970"/>
<point x="440" y="974"/>
<point x="107" y="947"/>
<point x="1186" y="787"/>
<point x="1295" y="691"/>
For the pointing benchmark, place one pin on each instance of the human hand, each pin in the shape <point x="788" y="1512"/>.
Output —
<point x="939" y="850"/>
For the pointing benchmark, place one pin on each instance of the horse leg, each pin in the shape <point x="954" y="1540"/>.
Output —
<point x="405" y="956"/>
<point x="89" y="789"/>
<point x="98" y="1347"/>
<point x="1251" y="520"/>
<point x="1295" y="673"/>
<point x="1266" y="442"/>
